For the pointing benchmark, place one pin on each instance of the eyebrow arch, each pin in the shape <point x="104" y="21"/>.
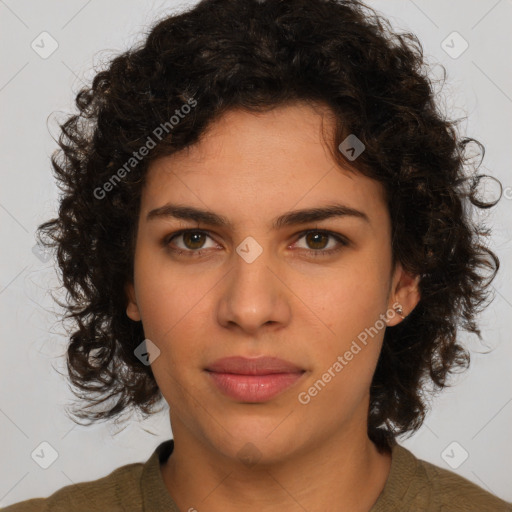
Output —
<point x="292" y="218"/>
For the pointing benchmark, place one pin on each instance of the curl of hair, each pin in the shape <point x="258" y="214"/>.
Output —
<point x="257" y="55"/>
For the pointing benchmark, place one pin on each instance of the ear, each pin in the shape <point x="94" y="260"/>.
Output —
<point x="405" y="292"/>
<point x="132" y="309"/>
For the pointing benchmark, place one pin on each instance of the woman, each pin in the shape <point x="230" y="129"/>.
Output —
<point x="265" y="222"/>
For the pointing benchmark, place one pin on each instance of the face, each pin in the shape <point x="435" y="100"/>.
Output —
<point x="253" y="287"/>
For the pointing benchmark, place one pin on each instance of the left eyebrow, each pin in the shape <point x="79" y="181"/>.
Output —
<point x="291" y="218"/>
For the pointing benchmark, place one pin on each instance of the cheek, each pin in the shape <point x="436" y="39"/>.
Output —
<point x="171" y="305"/>
<point x="345" y="301"/>
<point x="348" y="346"/>
<point x="170" y="309"/>
<point x="162" y="296"/>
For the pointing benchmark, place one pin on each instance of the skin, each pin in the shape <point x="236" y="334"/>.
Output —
<point x="287" y="303"/>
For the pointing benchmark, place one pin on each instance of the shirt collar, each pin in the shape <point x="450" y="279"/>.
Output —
<point x="155" y="496"/>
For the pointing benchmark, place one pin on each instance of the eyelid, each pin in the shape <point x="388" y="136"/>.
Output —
<point x="342" y="240"/>
<point x="334" y="234"/>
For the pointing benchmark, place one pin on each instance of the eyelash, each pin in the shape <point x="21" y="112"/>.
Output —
<point x="198" y="253"/>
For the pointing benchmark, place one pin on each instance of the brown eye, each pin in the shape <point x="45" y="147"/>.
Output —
<point x="317" y="241"/>
<point x="192" y="242"/>
<point x="193" y="239"/>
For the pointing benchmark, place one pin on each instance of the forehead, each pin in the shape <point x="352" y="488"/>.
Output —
<point x="262" y="163"/>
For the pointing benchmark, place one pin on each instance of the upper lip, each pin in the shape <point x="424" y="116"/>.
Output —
<point x="254" y="366"/>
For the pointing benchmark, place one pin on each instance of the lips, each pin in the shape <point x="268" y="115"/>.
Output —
<point x="253" y="380"/>
<point x="256" y="366"/>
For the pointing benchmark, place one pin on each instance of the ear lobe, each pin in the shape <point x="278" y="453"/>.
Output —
<point x="132" y="309"/>
<point x="406" y="293"/>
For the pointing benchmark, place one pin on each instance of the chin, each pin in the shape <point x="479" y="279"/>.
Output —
<point x="256" y="442"/>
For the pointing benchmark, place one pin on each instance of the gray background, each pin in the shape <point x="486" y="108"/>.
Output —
<point x="34" y="94"/>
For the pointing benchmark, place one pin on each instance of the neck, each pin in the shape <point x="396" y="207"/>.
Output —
<point x="343" y="472"/>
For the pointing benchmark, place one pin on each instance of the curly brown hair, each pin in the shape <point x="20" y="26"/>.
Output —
<point x="256" y="55"/>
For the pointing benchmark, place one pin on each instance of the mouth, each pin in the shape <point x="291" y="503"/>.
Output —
<point x="253" y="380"/>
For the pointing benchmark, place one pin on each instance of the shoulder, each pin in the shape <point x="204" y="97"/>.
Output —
<point x="425" y="486"/>
<point x="454" y="492"/>
<point x="107" y="493"/>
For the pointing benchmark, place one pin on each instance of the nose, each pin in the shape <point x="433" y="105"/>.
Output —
<point x="253" y="295"/>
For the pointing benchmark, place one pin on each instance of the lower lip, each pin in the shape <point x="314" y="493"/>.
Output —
<point x="254" y="388"/>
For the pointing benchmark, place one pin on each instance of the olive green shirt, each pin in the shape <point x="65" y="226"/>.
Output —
<point x="413" y="485"/>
